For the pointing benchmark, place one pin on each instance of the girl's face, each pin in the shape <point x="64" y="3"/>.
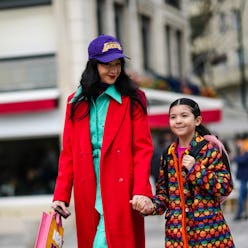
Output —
<point x="183" y="122"/>
<point x="109" y="72"/>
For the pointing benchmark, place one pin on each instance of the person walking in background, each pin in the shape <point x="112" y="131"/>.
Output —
<point x="190" y="189"/>
<point x="241" y="161"/>
<point x="106" y="152"/>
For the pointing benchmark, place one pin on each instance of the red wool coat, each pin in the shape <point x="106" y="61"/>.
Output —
<point x="124" y="172"/>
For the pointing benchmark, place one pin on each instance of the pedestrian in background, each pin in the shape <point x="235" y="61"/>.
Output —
<point x="106" y="154"/>
<point x="189" y="189"/>
<point x="241" y="161"/>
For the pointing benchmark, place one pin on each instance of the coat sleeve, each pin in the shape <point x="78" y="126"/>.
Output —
<point x="64" y="179"/>
<point x="142" y="150"/>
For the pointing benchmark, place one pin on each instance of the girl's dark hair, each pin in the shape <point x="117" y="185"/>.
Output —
<point x="201" y="129"/>
<point x="90" y="82"/>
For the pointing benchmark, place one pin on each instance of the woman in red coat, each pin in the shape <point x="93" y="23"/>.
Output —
<point x="106" y="152"/>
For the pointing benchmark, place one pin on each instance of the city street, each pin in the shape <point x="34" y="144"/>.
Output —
<point x="155" y="232"/>
<point x="13" y="234"/>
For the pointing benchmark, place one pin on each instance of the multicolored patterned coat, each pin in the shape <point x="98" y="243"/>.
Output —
<point x="193" y="213"/>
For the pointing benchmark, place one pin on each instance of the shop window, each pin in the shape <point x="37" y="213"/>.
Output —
<point x="28" y="167"/>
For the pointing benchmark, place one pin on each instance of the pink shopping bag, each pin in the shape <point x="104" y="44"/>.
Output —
<point x="51" y="232"/>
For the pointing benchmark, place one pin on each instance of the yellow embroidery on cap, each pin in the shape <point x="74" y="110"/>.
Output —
<point x="111" y="45"/>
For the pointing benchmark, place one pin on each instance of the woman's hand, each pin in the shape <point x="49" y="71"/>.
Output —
<point x="143" y="204"/>
<point x="61" y="205"/>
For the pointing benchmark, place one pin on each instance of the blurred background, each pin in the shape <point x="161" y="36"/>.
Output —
<point x="192" y="48"/>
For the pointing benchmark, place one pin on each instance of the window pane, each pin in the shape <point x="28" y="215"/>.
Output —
<point x="222" y="23"/>
<point x="28" y="73"/>
<point x="100" y="12"/>
<point x="174" y="3"/>
<point x="168" y="49"/>
<point x="236" y="19"/>
<point x="145" y="31"/>
<point x="6" y="4"/>
<point x="179" y="51"/>
<point x="119" y="20"/>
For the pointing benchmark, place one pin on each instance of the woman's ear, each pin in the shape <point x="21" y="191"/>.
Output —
<point x="198" y="120"/>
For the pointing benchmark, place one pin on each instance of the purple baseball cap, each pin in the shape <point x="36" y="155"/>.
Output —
<point x="105" y="48"/>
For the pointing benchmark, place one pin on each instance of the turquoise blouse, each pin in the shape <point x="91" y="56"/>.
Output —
<point x="98" y="113"/>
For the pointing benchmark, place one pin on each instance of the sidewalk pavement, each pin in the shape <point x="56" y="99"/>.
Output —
<point x="18" y="230"/>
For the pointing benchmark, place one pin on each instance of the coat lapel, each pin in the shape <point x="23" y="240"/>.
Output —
<point x="116" y="114"/>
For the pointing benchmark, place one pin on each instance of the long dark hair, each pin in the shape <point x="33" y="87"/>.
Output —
<point x="201" y="129"/>
<point x="90" y="82"/>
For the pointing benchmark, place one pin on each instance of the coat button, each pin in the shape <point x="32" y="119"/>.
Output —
<point x="186" y="210"/>
<point x="118" y="151"/>
<point x="121" y="179"/>
<point x="187" y="228"/>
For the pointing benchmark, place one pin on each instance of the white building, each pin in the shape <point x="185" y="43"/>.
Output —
<point x="223" y="48"/>
<point x="43" y="50"/>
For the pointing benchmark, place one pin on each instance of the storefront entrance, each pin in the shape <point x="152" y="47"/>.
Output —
<point x="28" y="166"/>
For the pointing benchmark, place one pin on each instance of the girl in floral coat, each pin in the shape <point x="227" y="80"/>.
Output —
<point x="191" y="193"/>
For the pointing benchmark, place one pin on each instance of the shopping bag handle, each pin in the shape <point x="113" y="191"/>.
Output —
<point x="57" y="217"/>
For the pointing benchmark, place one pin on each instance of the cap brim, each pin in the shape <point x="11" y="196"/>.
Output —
<point x="110" y="57"/>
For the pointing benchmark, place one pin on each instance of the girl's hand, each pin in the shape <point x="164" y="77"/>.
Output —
<point x="188" y="161"/>
<point x="143" y="204"/>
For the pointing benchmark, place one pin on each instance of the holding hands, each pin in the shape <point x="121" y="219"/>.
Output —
<point x="143" y="204"/>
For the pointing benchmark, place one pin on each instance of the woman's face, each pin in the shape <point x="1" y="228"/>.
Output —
<point x="182" y="121"/>
<point x="109" y="72"/>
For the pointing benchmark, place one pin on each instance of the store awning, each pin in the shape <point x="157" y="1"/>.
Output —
<point x="29" y="114"/>
<point x="159" y="102"/>
<point x="28" y="101"/>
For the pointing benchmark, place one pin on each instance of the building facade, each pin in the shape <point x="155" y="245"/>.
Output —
<point x="222" y="56"/>
<point x="43" y="50"/>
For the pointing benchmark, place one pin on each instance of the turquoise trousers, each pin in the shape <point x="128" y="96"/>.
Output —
<point x="100" y="238"/>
